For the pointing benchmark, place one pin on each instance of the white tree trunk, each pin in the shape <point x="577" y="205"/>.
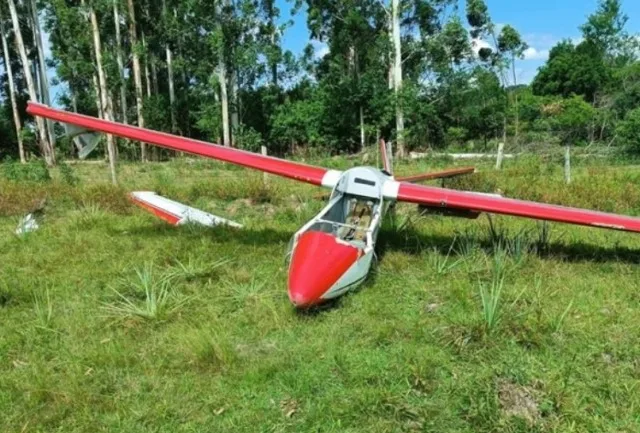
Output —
<point x="224" y="101"/>
<point x="119" y="59"/>
<point x="397" y="76"/>
<point x="137" y="78"/>
<point x="224" y="97"/>
<point x="147" y="74"/>
<point x="362" y="132"/>
<point x="44" y="81"/>
<point x="500" y="156"/>
<point x="390" y="57"/>
<point x="172" y="90"/>
<point x="104" y="98"/>
<point x="567" y="163"/>
<point x="98" y="98"/>
<point x="47" y="150"/>
<point x="235" y="106"/>
<point x="12" y="92"/>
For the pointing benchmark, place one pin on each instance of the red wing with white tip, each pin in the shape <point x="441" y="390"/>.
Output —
<point x="177" y="213"/>
<point x="476" y="202"/>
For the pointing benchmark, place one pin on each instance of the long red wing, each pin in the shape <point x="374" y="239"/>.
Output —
<point x="446" y="198"/>
<point x="292" y="170"/>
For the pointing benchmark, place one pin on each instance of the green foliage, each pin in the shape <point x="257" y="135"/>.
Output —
<point x="571" y="118"/>
<point x="628" y="130"/>
<point x="68" y="174"/>
<point x="32" y="172"/>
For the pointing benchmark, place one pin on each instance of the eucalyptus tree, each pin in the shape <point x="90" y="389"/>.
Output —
<point x="117" y="22"/>
<point x="510" y="43"/>
<point x="45" y="145"/>
<point x="42" y="67"/>
<point x="137" y="77"/>
<point x="105" y="99"/>
<point x="6" y="55"/>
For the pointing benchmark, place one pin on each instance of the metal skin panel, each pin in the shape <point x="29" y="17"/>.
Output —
<point x="281" y="167"/>
<point x="447" y="198"/>
<point x="319" y="260"/>
<point x="352" y="278"/>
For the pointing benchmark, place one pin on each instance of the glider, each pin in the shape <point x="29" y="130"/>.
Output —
<point x="333" y="252"/>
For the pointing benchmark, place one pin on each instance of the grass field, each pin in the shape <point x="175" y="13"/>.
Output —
<point x="112" y="321"/>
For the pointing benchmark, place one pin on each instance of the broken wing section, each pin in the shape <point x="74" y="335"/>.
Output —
<point x="176" y="213"/>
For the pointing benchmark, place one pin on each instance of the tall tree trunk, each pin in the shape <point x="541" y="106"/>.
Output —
<point x="172" y="91"/>
<point x="390" y="55"/>
<point x="235" y="105"/>
<point x="567" y="163"/>
<point x="397" y="74"/>
<point x="98" y="97"/>
<point x="133" y="37"/>
<point x="273" y="41"/>
<point x="74" y="100"/>
<point x="515" y="100"/>
<point x="222" y="79"/>
<point x="362" y="132"/>
<point x="12" y="91"/>
<point x="44" y="81"/>
<point x="47" y="150"/>
<point x="224" y="101"/>
<point x="147" y="74"/>
<point x="119" y="59"/>
<point x="104" y="96"/>
<point x="154" y="72"/>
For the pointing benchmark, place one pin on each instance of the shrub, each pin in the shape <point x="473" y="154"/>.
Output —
<point x="628" y="130"/>
<point x="31" y="172"/>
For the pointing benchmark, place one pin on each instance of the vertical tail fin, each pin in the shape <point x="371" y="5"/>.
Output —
<point x="386" y="155"/>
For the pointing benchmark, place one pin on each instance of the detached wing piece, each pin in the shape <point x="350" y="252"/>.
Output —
<point x="444" y="174"/>
<point x="293" y="170"/>
<point x="86" y="141"/>
<point x="177" y="213"/>
<point x="476" y="202"/>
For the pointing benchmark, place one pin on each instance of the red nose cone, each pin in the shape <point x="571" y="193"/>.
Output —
<point x="318" y="262"/>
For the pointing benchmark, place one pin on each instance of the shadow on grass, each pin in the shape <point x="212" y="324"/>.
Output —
<point x="410" y="241"/>
<point x="407" y="240"/>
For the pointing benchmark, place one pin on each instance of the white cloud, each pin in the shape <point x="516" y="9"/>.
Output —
<point x="478" y="44"/>
<point x="321" y="48"/>
<point x="532" y="53"/>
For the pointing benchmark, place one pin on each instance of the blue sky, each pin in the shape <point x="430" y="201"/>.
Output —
<point x="542" y="23"/>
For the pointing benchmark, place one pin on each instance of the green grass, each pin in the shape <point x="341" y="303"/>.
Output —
<point x="112" y="321"/>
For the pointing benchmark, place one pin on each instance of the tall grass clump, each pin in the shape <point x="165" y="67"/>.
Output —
<point x="442" y="265"/>
<point x="491" y="293"/>
<point x="43" y="309"/>
<point x="148" y="295"/>
<point x="194" y="268"/>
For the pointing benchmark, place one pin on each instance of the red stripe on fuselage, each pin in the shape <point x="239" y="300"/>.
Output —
<point x="160" y="213"/>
